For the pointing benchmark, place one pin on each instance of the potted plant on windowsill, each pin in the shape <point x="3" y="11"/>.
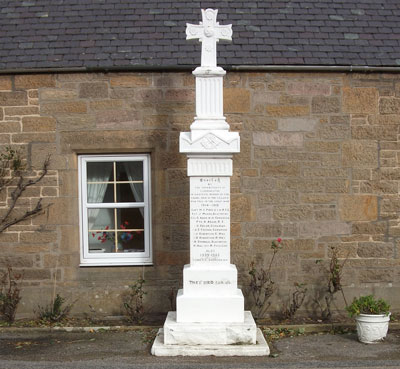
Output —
<point x="372" y="318"/>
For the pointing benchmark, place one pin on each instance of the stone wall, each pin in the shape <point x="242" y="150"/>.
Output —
<point x="319" y="167"/>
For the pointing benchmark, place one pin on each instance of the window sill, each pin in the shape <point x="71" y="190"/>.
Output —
<point x="117" y="263"/>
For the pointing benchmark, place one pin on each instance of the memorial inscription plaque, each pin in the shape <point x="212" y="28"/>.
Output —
<point x="210" y="220"/>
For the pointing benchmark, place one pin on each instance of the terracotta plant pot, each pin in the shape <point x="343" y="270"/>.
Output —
<point x="372" y="328"/>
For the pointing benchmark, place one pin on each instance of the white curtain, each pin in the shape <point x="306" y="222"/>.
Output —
<point x="95" y="192"/>
<point x="134" y="172"/>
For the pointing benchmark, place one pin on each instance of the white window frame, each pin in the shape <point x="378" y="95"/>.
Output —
<point x="114" y="259"/>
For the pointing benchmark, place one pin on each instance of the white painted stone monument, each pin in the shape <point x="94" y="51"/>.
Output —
<point x="210" y="317"/>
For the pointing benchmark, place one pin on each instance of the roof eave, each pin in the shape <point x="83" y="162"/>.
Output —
<point x="186" y="68"/>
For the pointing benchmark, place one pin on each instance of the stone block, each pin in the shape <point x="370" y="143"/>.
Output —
<point x="37" y="274"/>
<point x="322" y="104"/>
<point x="272" y="230"/>
<point x="334" y="185"/>
<point x="196" y="280"/>
<point x="38" y="124"/>
<point x="334" y="132"/>
<point x="180" y="94"/>
<point x="259" y="349"/>
<point x="103" y="139"/>
<point x="360" y="154"/>
<point x="21" y="110"/>
<point x="171" y="258"/>
<point x="40" y="152"/>
<point x="236" y="229"/>
<point x="287" y="110"/>
<point x="276" y="85"/>
<point x="118" y="119"/>
<point x="176" y="333"/>
<point x="241" y="208"/>
<point x="376" y="275"/>
<point x="389" y="119"/>
<point x="375" y="250"/>
<point x="72" y="122"/>
<point x="178" y="182"/>
<point x="169" y="79"/>
<point x="110" y="104"/>
<point x="57" y="94"/>
<point x="280" y="168"/>
<point x="68" y="180"/>
<point x="206" y="309"/>
<point x="60" y="260"/>
<point x="69" y="239"/>
<point x="9" y="237"/>
<point x="156" y="121"/>
<point x="260" y="99"/>
<point x="95" y="90"/>
<point x="13" y="98"/>
<point x="368" y="228"/>
<point x="389" y="105"/>
<point x="293" y="212"/>
<point x="63" y="107"/>
<point x="308" y="88"/>
<point x="278" y="139"/>
<point x="379" y="187"/>
<point x="358" y="207"/>
<point x="76" y="77"/>
<point x="255" y="123"/>
<point x="151" y="95"/>
<point x="236" y="100"/>
<point x="374" y="132"/>
<point x="49" y="192"/>
<point x="5" y="83"/>
<point x="360" y="100"/>
<point x="326" y="172"/>
<point x="16" y="261"/>
<point x="323" y="228"/>
<point x="34" y="81"/>
<point x="297" y="124"/>
<point x="9" y="126"/>
<point x="322" y="146"/>
<point x="240" y="244"/>
<point x="277" y="197"/>
<point x="130" y="80"/>
<point x="249" y="172"/>
<point x="60" y="211"/>
<point x="33" y="137"/>
<point x="317" y="198"/>
<point x="38" y="237"/>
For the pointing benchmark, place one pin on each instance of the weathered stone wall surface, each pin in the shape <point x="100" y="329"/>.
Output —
<point x="319" y="167"/>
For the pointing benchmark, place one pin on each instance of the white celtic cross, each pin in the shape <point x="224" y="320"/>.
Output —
<point x="209" y="32"/>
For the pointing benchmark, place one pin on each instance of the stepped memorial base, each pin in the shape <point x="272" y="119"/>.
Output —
<point x="210" y="339"/>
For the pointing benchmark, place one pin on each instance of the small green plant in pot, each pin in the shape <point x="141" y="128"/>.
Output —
<point x="372" y="318"/>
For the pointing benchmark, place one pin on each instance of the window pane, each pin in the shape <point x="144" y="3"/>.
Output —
<point x="129" y="241"/>
<point x="101" y="219"/>
<point x="99" y="171"/>
<point x="130" y="192"/>
<point x="100" y="193"/>
<point x="130" y="171"/>
<point x="131" y="232"/>
<point x="131" y="218"/>
<point x="101" y="242"/>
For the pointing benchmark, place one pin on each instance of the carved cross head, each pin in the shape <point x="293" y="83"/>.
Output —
<point x="209" y="32"/>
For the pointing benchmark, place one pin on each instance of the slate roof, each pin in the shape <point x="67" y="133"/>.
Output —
<point x="105" y="34"/>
